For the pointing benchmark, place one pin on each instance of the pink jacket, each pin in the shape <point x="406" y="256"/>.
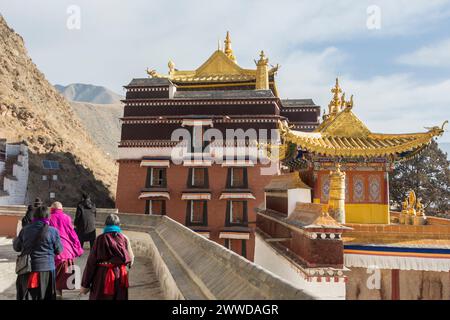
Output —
<point x="69" y="239"/>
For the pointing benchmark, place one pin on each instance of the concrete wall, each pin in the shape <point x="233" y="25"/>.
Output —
<point x="220" y="273"/>
<point x="269" y="258"/>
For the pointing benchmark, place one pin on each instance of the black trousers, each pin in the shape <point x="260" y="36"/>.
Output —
<point x="45" y="291"/>
<point x="90" y="236"/>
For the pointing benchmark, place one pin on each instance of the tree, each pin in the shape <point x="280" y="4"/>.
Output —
<point x="428" y="175"/>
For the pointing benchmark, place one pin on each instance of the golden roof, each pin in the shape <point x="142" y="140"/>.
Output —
<point x="221" y="66"/>
<point x="312" y="215"/>
<point x="343" y="134"/>
<point x="286" y="181"/>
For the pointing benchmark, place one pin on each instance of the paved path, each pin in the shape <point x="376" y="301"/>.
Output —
<point x="143" y="282"/>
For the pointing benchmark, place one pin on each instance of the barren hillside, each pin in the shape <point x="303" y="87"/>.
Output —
<point x="102" y="123"/>
<point x="32" y="110"/>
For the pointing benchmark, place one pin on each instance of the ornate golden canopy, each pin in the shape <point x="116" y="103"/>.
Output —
<point x="343" y="134"/>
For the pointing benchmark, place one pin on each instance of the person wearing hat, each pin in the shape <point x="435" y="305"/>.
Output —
<point x="30" y="211"/>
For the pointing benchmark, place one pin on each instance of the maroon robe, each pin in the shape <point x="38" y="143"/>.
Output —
<point x="110" y="248"/>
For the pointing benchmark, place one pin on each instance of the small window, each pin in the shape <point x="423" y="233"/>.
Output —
<point x="197" y="212"/>
<point x="228" y="244"/>
<point x="52" y="195"/>
<point x="244" y="248"/>
<point x="44" y="178"/>
<point x="198" y="178"/>
<point x="237" y="213"/>
<point x="237" y="177"/>
<point x="55" y="177"/>
<point x="155" y="207"/>
<point x="156" y="177"/>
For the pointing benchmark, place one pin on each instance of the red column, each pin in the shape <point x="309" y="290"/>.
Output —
<point x="395" y="284"/>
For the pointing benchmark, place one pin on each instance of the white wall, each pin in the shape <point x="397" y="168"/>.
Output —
<point x="16" y="188"/>
<point x="297" y="195"/>
<point x="268" y="258"/>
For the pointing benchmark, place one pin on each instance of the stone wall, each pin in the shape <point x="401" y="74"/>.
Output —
<point x="414" y="285"/>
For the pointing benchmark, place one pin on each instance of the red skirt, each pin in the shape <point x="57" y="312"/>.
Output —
<point x="65" y="275"/>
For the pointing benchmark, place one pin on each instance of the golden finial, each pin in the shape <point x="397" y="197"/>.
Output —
<point x="228" y="51"/>
<point x="334" y="105"/>
<point x="343" y="102"/>
<point x="171" y="66"/>
<point x="262" y="59"/>
<point x="262" y="72"/>
<point x="349" y="104"/>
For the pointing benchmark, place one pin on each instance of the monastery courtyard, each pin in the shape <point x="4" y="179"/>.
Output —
<point x="143" y="282"/>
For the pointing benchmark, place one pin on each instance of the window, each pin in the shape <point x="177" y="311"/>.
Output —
<point x="196" y="212"/>
<point x="198" y="178"/>
<point x="228" y="244"/>
<point x="156" y="177"/>
<point x="237" y="212"/>
<point x="52" y="195"/>
<point x="44" y="178"/>
<point x="55" y="177"/>
<point x="155" y="207"/>
<point x="238" y="178"/>
<point x="244" y="248"/>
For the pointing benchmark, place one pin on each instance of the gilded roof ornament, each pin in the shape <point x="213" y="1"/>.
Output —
<point x="335" y="103"/>
<point x="263" y="61"/>
<point x="171" y="66"/>
<point x="228" y="51"/>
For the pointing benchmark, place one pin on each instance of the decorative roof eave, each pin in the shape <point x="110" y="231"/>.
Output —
<point x="372" y="145"/>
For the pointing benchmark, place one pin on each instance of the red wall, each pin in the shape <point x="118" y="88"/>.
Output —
<point x="132" y="179"/>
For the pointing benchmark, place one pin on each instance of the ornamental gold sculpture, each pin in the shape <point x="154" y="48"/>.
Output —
<point x="413" y="211"/>
<point x="336" y="200"/>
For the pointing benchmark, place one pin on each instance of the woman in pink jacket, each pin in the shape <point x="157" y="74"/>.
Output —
<point x="65" y="261"/>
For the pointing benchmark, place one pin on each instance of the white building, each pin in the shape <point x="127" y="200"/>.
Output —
<point x="13" y="173"/>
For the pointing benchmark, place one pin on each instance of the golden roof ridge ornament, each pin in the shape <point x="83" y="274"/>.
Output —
<point x="262" y="72"/>
<point x="171" y="66"/>
<point x="335" y="103"/>
<point x="338" y="102"/>
<point x="228" y="51"/>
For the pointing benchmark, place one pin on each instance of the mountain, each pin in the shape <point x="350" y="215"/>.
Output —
<point x="88" y="93"/>
<point x="445" y="146"/>
<point x="102" y="123"/>
<point x="32" y="110"/>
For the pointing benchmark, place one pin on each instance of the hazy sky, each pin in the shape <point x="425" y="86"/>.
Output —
<point x="399" y="73"/>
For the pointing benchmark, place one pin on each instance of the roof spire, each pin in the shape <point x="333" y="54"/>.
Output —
<point x="228" y="51"/>
<point x="335" y="103"/>
<point x="262" y="72"/>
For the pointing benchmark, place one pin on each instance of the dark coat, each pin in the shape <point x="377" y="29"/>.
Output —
<point x="85" y="217"/>
<point x="26" y="220"/>
<point x="112" y="248"/>
<point x="43" y="256"/>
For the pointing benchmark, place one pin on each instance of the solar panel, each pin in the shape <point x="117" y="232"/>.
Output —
<point x="54" y="165"/>
<point x="50" y="165"/>
<point x="46" y="164"/>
